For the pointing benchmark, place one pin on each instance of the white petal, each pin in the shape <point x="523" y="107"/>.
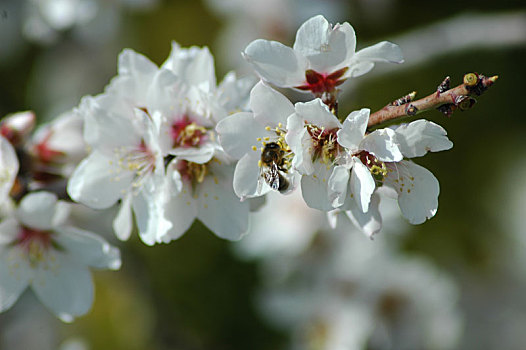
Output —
<point x="233" y="94"/>
<point x="338" y="184"/>
<point x="219" y="207"/>
<point x="363" y="60"/>
<point x="87" y="248"/>
<point x="300" y="143"/>
<point x="362" y="185"/>
<point x="317" y="113"/>
<point x="181" y="211"/>
<point x="332" y="218"/>
<point x="269" y="106"/>
<point x="42" y="210"/>
<point x="315" y="188"/>
<point x="194" y="65"/>
<point x="135" y="74"/>
<point x="276" y="63"/>
<point x="131" y="63"/>
<point x="149" y="209"/>
<point x="98" y="182"/>
<point x="123" y="222"/>
<point x="417" y="190"/>
<point x="421" y="136"/>
<point x="200" y="155"/>
<point x="246" y="176"/>
<point x="109" y="122"/>
<point x="382" y="143"/>
<point x="238" y="133"/>
<point x="371" y="221"/>
<point x="9" y="229"/>
<point x="353" y="129"/>
<point x="66" y="289"/>
<point x="326" y="48"/>
<point x="8" y="167"/>
<point x="312" y="35"/>
<point x="14" y="277"/>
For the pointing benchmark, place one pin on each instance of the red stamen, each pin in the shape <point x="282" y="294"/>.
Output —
<point x="318" y="83"/>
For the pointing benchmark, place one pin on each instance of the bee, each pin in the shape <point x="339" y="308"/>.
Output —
<point x="272" y="164"/>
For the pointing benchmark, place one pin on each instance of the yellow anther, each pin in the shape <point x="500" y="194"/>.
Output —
<point x="254" y="148"/>
<point x="267" y="128"/>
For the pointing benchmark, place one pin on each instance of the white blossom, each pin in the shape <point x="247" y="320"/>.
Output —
<point x="248" y="136"/>
<point x="125" y="164"/>
<point x="416" y="187"/>
<point x="311" y="135"/>
<point x="322" y="57"/>
<point x="39" y="249"/>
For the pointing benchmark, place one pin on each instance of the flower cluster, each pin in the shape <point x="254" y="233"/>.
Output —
<point x="167" y="145"/>
<point x="340" y="165"/>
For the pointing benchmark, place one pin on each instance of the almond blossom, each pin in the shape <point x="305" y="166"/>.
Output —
<point x="322" y="57"/>
<point x="245" y="135"/>
<point x="353" y="181"/>
<point x="312" y="131"/>
<point x="39" y="249"/>
<point x="125" y="164"/>
<point x="416" y="187"/>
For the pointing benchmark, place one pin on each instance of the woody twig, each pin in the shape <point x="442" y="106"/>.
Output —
<point x="445" y="99"/>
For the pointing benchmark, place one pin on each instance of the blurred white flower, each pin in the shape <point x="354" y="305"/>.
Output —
<point x="346" y="292"/>
<point x="58" y="146"/>
<point x="46" y="19"/>
<point x="39" y="249"/>
<point x="285" y="225"/>
<point x="8" y="169"/>
<point x="16" y="127"/>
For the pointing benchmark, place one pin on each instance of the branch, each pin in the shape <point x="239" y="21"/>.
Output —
<point x="446" y="100"/>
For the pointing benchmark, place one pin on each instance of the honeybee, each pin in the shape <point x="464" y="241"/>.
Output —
<point x="272" y="164"/>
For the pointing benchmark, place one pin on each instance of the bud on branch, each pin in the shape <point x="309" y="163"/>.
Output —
<point x="446" y="100"/>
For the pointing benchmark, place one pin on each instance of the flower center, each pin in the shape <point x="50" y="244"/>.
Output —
<point x="186" y="133"/>
<point x="34" y="243"/>
<point x="140" y="160"/>
<point x="377" y="168"/>
<point x="318" y="83"/>
<point x="324" y="145"/>
<point x="194" y="173"/>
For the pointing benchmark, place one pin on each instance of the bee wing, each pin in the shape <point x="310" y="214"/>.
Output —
<point x="273" y="175"/>
<point x="262" y="177"/>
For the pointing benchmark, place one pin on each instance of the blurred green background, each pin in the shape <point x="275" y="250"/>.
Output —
<point x="194" y="293"/>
